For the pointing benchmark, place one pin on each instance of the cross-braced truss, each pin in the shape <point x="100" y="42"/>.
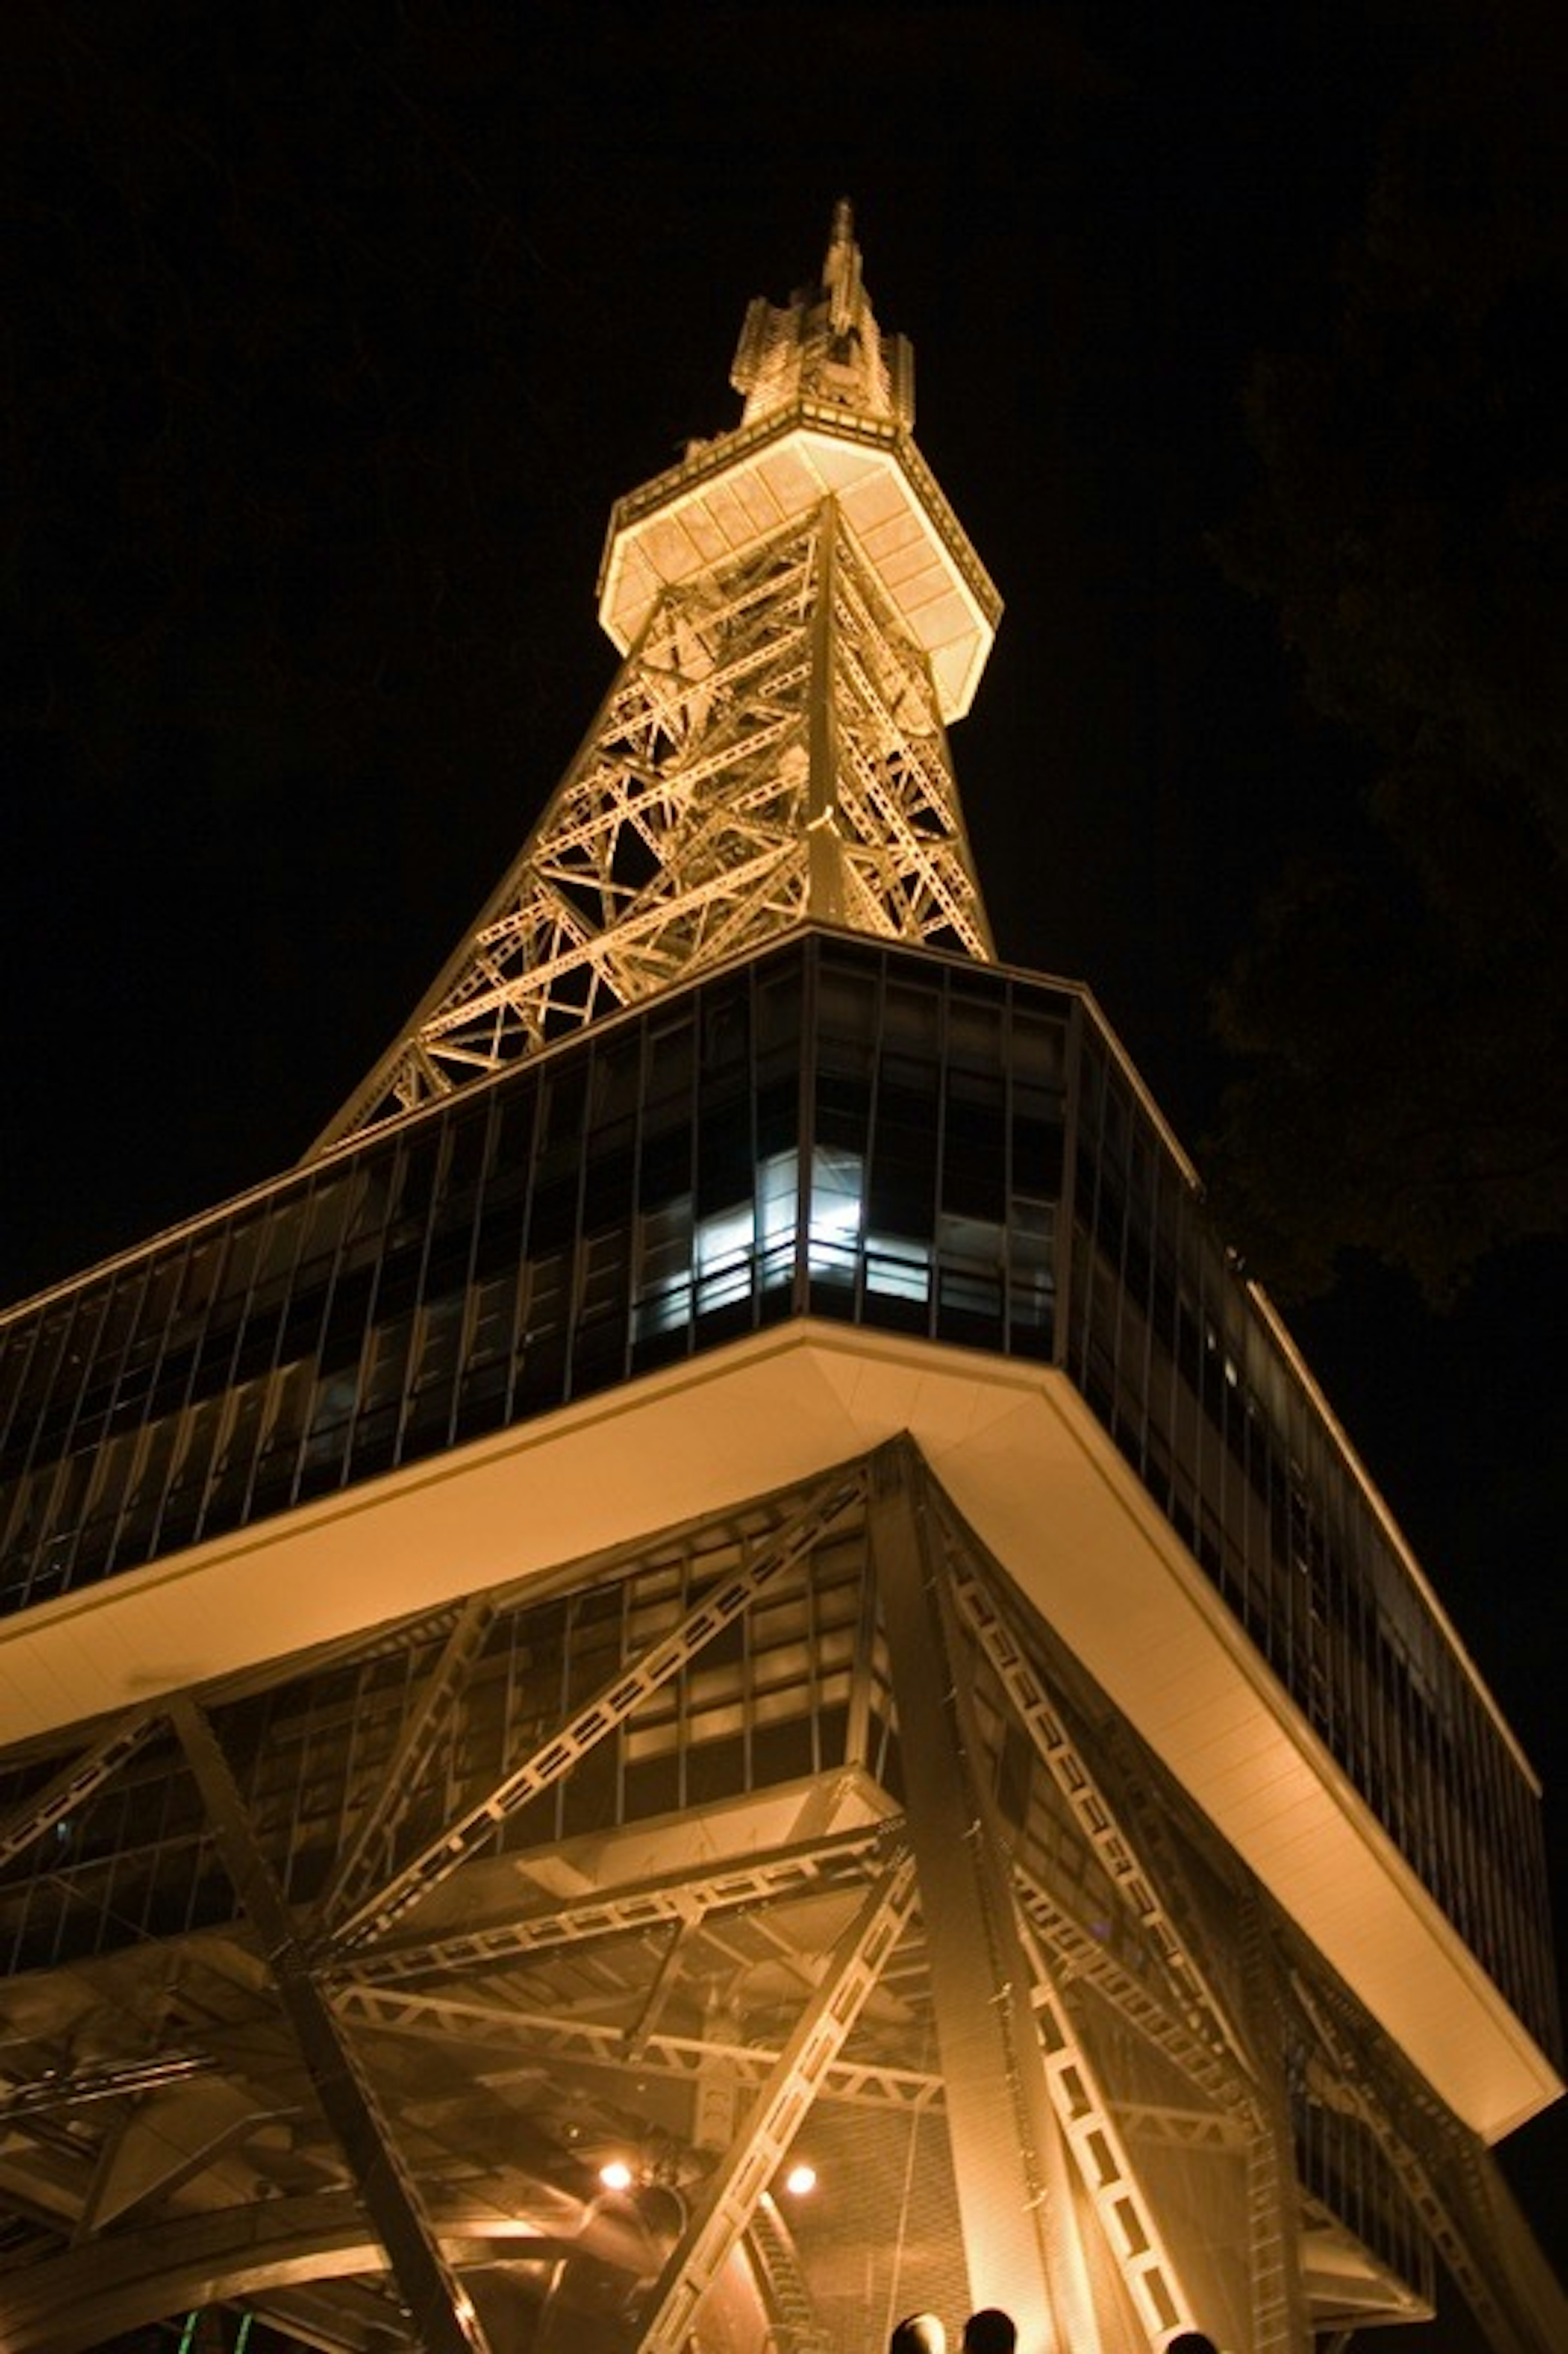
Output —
<point x="771" y="751"/>
<point x="662" y="1880"/>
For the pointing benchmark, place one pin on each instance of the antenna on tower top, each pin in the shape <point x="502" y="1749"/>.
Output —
<point x="799" y="614"/>
<point x="841" y="272"/>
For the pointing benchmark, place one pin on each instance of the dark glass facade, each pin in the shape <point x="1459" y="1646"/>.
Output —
<point x="834" y="1129"/>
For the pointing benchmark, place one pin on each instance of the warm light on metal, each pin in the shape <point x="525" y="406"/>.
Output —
<point x="763" y="1587"/>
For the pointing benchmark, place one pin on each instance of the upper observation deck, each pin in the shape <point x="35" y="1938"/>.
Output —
<point x="829" y="409"/>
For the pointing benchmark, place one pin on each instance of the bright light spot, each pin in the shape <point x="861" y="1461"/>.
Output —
<point x="800" y="2181"/>
<point x="616" y="2175"/>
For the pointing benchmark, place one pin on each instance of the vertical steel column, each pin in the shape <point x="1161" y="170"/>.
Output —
<point x="1280" y="2317"/>
<point x="1021" y="2244"/>
<point x="440" y="2305"/>
<point x="825" y="888"/>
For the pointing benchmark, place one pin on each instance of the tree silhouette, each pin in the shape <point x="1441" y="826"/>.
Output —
<point x="1402" y="1010"/>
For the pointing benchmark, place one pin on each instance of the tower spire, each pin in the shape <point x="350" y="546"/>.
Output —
<point x="824" y="344"/>
<point x="799" y="614"/>
<point x="841" y="270"/>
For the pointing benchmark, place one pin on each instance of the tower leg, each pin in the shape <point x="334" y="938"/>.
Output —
<point x="1021" y="2244"/>
<point x="443" y="2314"/>
<point x="1279" y="2319"/>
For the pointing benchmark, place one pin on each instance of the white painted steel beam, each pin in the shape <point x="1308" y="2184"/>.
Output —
<point x="1023" y="2247"/>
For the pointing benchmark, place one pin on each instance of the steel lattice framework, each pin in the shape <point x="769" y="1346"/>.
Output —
<point x="790" y="1827"/>
<point x="772" y="752"/>
<point x="806" y="613"/>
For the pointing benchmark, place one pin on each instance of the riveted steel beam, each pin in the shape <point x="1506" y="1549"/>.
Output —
<point x="1104" y="1824"/>
<point x="807" y="1868"/>
<point x="402" y="1779"/>
<point x="525" y="2035"/>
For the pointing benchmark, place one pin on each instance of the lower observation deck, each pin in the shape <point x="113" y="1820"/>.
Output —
<point x="831" y="1193"/>
<point x="1043" y="1488"/>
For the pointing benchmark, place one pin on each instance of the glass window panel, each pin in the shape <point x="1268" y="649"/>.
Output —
<point x="664" y="1267"/>
<point x="605" y="1270"/>
<point x="516" y="1107"/>
<point x="439" y="1337"/>
<point x="897" y="1267"/>
<point x="726" y="1030"/>
<point x="198" y="1435"/>
<point x="617" y="1075"/>
<point x="779" y="1013"/>
<point x="386" y="1360"/>
<point x="1038" y="1050"/>
<point x="495" y="1317"/>
<point x="670" y="1049"/>
<point x="846" y="1019"/>
<point x="723" y="1249"/>
<point x="837" y="1195"/>
<point x="548" y="1282"/>
<point x="724" y="1157"/>
<point x="413" y="1181"/>
<point x="552" y="1221"/>
<point x="468" y="1143"/>
<point x="778" y="1216"/>
<point x="974" y="1034"/>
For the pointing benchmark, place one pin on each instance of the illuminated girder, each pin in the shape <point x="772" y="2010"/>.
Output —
<point x="525" y="2036"/>
<point x="739" y="2182"/>
<point x="1064" y="1757"/>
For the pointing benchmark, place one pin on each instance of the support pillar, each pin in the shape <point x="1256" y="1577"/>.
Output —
<point x="1022" y="2250"/>
<point x="441" y="2309"/>
<point x="826" y="887"/>
<point x="1280" y="2317"/>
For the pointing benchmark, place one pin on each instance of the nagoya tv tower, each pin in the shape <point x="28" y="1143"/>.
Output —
<point x="718" y="1677"/>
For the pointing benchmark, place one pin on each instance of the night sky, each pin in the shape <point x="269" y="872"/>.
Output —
<point x="336" y="333"/>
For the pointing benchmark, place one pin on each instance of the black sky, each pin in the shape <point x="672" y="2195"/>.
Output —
<point x="337" y="331"/>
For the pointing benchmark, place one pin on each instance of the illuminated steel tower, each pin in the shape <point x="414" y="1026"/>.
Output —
<point x="729" y="1579"/>
<point x="800" y="613"/>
